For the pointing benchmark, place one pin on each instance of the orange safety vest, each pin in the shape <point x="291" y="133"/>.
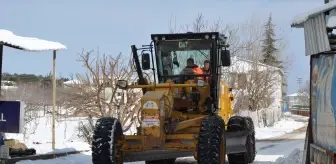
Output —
<point x="198" y="71"/>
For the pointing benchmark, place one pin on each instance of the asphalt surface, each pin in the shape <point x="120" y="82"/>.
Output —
<point x="268" y="150"/>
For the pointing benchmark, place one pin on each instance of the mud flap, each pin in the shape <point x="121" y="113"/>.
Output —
<point x="236" y="142"/>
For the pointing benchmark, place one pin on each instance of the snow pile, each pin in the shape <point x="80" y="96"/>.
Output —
<point x="286" y="125"/>
<point x="296" y="117"/>
<point x="28" y="43"/>
<point x="83" y="158"/>
<point x="72" y="82"/>
<point x="66" y="135"/>
<point x="66" y="131"/>
<point x="295" y="157"/>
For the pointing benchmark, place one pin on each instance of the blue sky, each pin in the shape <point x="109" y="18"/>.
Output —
<point x="115" y="25"/>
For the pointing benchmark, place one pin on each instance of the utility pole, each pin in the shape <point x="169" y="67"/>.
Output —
<point x="299" y="81"/>
<point x="53" y="129"/>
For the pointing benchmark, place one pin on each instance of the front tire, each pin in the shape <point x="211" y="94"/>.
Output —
<point x="107" y="133"/>
<point x="212" y="141"/>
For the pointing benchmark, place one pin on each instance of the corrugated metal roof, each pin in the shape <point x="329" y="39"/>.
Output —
<point x="8" y="38"/>
<point x="299" y="20"/>
<point x="316" y="38"/>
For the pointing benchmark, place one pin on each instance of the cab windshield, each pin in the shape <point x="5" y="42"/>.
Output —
<point x="172" y="55"/>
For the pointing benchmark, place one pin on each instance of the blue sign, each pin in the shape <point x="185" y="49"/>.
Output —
<point x="11" y="116"/>
<point x="285" y="106"/>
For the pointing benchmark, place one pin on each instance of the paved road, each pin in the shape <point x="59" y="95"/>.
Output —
<point x="271" y="149"/>
<point x="267" y="151"/>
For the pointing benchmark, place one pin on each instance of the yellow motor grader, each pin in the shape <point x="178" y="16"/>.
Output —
<point x="182" y="113"/>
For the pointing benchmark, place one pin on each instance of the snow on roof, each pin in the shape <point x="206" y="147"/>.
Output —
<point x="297" y="94"/>
<point x="293" y="95"/>
<point x="72" y="82"/>
<point x="331" y="19"/>
<point x="300" y="19"/>
<point x="8" y="38"/>
<point x="238" y="61"/>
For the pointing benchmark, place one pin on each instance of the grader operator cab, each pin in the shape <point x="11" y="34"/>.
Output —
<point x="182" y="113"/>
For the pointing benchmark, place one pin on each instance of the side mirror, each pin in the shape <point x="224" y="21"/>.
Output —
<point x="225" y="58"/>
<point x="145" y="61"/>
<point x="122" y="84"/>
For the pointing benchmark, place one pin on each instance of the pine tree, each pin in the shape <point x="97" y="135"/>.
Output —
<point x="269" y="49"/>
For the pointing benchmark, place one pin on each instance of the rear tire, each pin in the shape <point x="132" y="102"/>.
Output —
<point x="212" y="141"/>
<point x="107" y="133"/>
<point x="251" y="145"/>
<point x="238" y="123"/>
<point x="163" y="161"/>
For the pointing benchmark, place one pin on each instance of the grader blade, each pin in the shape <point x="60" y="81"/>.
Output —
<point x="236" y="142"/>
<point x="155" y="155"/>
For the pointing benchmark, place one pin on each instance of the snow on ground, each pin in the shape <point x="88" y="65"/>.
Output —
<point x="286" y="125"/>
<point x="283" y="152"/>
<point x="83" y="158"/>
<point x="66" y="133"/>
<point x="296" y="117"/>
<point x="66" y="136"/>
<point x="67" y="140"/>
<point x="294" y="157"/>
<point x="270" y="151"/>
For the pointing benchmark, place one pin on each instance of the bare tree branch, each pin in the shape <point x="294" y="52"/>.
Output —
<point x="96" y="94"/>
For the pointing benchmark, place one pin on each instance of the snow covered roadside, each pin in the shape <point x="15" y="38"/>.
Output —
<point x="82" y="158"/>
<point x="295" y="157"/>
<point x="66" y="136"/>
<point x="296" y="117"/>
<point x="288" y="124"/>
<point x="66" y="133"/>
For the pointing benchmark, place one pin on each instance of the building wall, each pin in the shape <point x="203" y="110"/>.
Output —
<point x="323" y="106"/>
<point x="240" y="66"/>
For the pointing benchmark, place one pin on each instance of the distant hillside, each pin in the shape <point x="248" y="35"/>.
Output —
<point x="30" y="78"/>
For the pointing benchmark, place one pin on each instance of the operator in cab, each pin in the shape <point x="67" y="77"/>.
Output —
<point x="206" y="69"/>
<point x="191" y="68"/>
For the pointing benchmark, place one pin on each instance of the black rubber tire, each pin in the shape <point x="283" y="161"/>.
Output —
<point x="239" y="123"/>
<point x="107" y="130"/>
<point x="252" y="143"/>
<point x="163" y="161"/>
<point x="211" y="136"/>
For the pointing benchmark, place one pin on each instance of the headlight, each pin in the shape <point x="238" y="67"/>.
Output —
<point x="122" y="84"/>
<point x="206" y="36"/>
<point x="213" y="36"/>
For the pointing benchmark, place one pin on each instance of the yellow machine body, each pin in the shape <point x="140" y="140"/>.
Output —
<point x="182" y="109"/>
<point x="159" y="104"/>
